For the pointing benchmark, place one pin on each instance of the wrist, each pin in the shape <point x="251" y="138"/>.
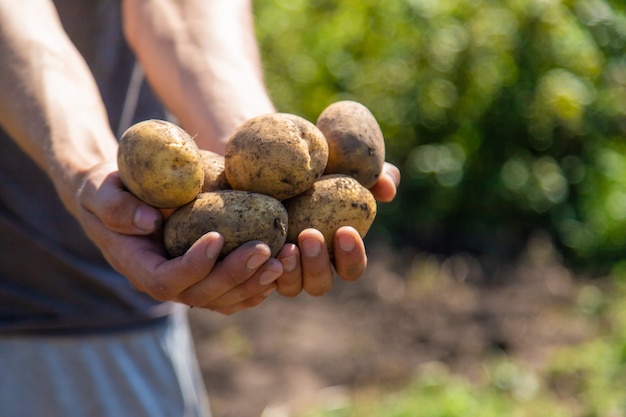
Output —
<point x="70" y="164"/>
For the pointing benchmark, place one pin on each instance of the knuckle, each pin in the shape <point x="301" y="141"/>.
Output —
<point x="351" y="272"/>
<point x="224" y="310"/>
<point x="159" y="291"/>
<point x="318" y="291"/>
<point x="290" y="288"/>
<point x="113" y="213"/>
<point x="233" y="279"/>
<point x="288" y="292"/>
<point x="252" y="302"/>
<point x="198" y="298"/>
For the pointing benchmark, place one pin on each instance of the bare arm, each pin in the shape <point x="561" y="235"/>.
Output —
<point x="51" y="107"/>
<point x="201" y="57"/>
<point x="49" y="102"/>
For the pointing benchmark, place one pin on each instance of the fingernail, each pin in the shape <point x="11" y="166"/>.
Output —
<point x="346" y="243"/>
<point x="145" y="219"/>
<point x="214" y="247"/>
<point x="289" y="263"/>
<point x="258" y="259"/>
<point x="268" y="276"/>
<point x="311" y="248"/>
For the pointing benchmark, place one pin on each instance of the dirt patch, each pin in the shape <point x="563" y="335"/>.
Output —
<point x="410" y="308"/>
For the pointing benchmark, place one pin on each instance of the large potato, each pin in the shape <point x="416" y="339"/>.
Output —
<point x="214" y="175"/>
<point x="239" y="216"/>
<point x="160" y="163"/>
<point x="333" y="201"/>
<point x="356" y="145"/>
<point x="276" y="154"/>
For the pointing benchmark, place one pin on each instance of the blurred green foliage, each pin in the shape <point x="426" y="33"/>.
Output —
<point x="505" y="116"/>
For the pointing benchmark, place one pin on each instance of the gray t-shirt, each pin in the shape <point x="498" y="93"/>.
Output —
<point x="52" y="278"/>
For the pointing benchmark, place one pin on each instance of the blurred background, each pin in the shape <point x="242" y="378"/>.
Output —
<point x="507" y="119"/>
<point x="504" y="116"/>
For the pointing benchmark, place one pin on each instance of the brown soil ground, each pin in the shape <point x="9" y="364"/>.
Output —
<point x="409" y="309"/>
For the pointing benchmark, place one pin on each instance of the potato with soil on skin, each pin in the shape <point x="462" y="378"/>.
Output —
<point x="239" y="216"/>
<point x="356" y="145"/>
<point x="333" y="201"/>
<point x="214" y="175"/>
<point x="160" y="163"/>
<point x="277" y="154"/>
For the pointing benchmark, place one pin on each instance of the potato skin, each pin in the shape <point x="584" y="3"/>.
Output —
<point x="356" y="145"/>
<point x="333" y="201"/>
<point x="214" y="175"/>
<point x="239" y="216"/>
<point x="160" y="163"/>
<point x="277" y="154"/>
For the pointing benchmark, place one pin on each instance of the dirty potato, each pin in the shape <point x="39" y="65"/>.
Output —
<point x="277" y="154"/>
<point x="239" y="216"/>
<point x="356" y="145"/>
<point x="333" y="201"/>
<point x="214" y="175"/>
<point x="160" y="163"/>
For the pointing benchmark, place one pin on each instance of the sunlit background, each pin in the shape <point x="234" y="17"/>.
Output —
<point x="497" y="278"/>
<point x="505" y="116"/>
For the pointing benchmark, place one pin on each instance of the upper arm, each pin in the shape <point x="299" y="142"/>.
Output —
<point x="201" y="58"/>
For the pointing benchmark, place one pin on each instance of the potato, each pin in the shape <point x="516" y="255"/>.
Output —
<point x="333" y="201"/>
<point x="356" y="145"/>
<point x="160" y="163"/>
<point x="277" y="154"/>
<point x="240" y="216"/>
<point x="214" y="175"/>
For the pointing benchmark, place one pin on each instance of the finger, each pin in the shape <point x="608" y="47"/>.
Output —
<point x="174" y="276"/>
<point x="142" y="259"/>
<point x="350" y="256"/>
<point x="249" y="260"/>
<point x="102" y="193"/>
<point x="289" y="284"/>
<point x="387" y="185"/>
<point x="253" y="288"/>
<point x="316" y="266"/>
<point x="248" y="303"/>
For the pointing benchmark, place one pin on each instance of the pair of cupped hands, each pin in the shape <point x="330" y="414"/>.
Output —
<point x="128" y="232"/>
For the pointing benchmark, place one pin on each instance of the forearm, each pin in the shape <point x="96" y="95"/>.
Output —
<point x="202" y="59"/>
<point x="49" y="103"/>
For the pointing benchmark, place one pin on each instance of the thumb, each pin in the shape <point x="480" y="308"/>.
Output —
<point x="102" y="194"/>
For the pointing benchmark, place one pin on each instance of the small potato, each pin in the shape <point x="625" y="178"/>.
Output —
<point x="356" y="145"/>
<point x="214" y="175"/>
<point x="277" y="154"/>
<point x="333" y="201"/>
<point x="160" y="163"/>
<point x="239" y="216"/>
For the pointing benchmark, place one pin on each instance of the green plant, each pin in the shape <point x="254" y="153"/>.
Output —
<point x="505" y="116"/>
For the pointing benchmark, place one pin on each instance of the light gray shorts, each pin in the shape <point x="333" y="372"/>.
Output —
<point x="150" y="372"/>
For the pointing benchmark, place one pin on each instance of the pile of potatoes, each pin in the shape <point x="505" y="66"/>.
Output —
<point x="280" y="174"/>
